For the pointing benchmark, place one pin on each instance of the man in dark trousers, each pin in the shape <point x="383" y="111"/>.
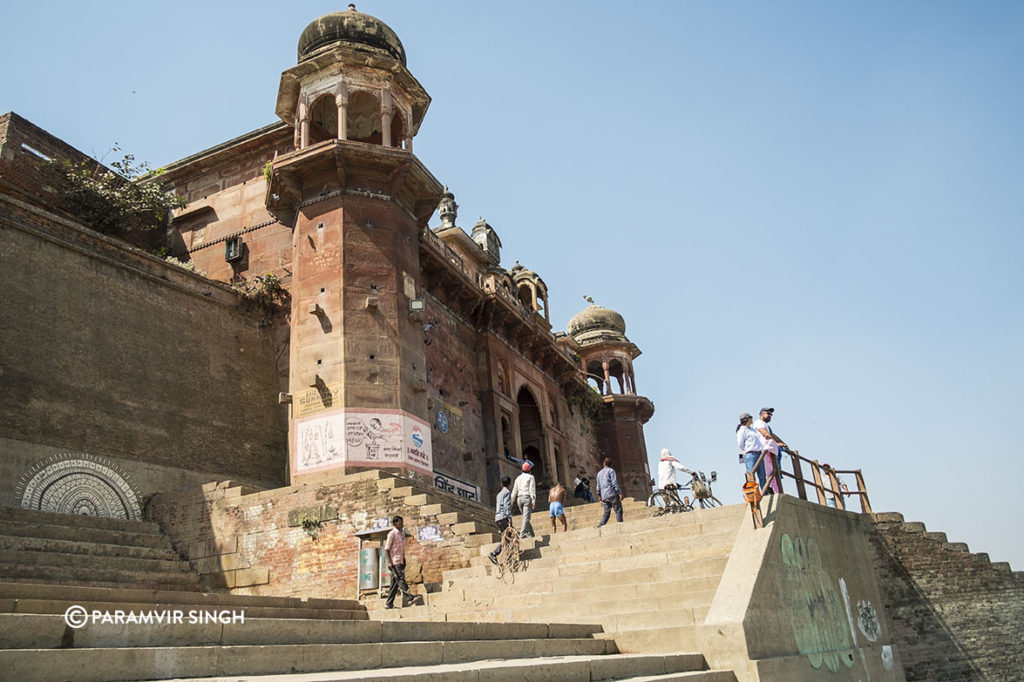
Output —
<point x="502" y="514"/>
<point x="394" y="550"/>
<point x="610" y="493"/>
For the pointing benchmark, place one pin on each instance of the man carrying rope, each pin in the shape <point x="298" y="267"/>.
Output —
<point x="502" y="515"/>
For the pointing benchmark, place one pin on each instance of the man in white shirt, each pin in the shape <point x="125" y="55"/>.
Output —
<point x="667" y="468"/>
<point x="768" y="436"/>
<point x="524" y="492"/>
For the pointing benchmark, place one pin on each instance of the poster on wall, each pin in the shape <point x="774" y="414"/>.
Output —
<point x="382" y="438"/>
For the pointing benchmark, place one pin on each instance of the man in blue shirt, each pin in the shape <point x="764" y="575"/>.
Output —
<point x="609" y="491"/>
<point x="502" y="514"/>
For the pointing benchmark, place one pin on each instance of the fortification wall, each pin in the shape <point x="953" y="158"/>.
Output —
<point x="113" y="353"/>
<point x="954" y="615"/>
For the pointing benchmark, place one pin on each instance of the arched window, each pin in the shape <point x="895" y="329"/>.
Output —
<point x="364" y="121"/>
<point x="525" y="295"/>
<point x="595" y="374"/>
<point x="323" y="119"/>
<point x="397" y="129"/>
<point x="615" y="371"/>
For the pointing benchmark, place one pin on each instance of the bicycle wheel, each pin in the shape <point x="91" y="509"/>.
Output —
<point x="661" y="502"/>
<point x="710" y="502"/>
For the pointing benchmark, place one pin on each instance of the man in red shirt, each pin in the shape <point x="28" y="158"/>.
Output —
<point x="394" y="550"/>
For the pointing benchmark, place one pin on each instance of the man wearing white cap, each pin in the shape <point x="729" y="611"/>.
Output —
<point x="524" y="492"/>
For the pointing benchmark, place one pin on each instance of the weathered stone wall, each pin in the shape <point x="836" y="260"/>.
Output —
<point x="254" y="543"/>
<point x="954" y="615"/>
<point x="456" y="376"/>
<point x="114" y="353"/>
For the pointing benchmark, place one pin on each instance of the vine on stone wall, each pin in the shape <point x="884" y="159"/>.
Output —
<point x="116" y="200"/>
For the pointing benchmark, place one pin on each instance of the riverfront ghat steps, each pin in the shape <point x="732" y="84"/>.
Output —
<point x="289" y="638"/>
<point x="648" y="581"/>
<point x="52" y="561"/>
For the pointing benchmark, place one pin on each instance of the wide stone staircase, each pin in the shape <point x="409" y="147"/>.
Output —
<point x="649" y="582"/>
<point x="146" y="618"/>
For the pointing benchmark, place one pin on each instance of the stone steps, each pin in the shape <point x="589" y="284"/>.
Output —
<point x="43" y="547"/>
<point x="22" y="596"/>
<point x="38" y="544"/>
<point x="651" y="578"/>
<point x="34" y="631"/>
<point x="76" y="521"/>
<point x="181" y="580"/>
<point x="104" y="536"/>
<point x="55" y="559"/>
<point x="635" y="668"/>
<point x="111" y="665"/>
<point x="942" y="541"/>
<point x="698" y="546"/>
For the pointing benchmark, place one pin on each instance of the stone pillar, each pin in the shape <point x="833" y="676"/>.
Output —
<point x="303" y="126"/>
<point x="385" y="122"/>
<point x="607" y="378"/>
<point x="341" y="100"/>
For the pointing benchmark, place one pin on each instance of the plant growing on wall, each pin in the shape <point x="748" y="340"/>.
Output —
<point x="263" y="290"/>
<point x="312" y="526"/>
<point x="122" y="198"/>
<point x="589" y="402"/>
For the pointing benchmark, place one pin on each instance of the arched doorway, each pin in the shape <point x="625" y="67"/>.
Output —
<point x="531" y="433"/>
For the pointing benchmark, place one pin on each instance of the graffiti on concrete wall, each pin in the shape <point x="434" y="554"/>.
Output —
<point x="814" y="607"/>
<point x="867" y="621"/>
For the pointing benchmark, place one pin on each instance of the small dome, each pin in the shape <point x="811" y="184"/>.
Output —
<point x="350" y="26"/>
<point x="594" y="318"/>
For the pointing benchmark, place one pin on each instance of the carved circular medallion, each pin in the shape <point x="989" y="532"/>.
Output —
<point x="76" y="483"/>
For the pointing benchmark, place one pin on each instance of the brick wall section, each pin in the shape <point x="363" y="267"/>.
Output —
<point x="223" y="531"/>
<point x="25" y="174"/>
<point x="953" y="614"/>
<point x="168" y="368"/>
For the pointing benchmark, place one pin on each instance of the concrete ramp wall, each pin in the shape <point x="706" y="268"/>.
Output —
<point x="799" y="600"/>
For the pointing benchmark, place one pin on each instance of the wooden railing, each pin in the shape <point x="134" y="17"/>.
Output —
<point x="827" y="486"/>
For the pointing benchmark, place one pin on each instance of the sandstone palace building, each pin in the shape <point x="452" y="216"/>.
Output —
<point x="395" y="342"/>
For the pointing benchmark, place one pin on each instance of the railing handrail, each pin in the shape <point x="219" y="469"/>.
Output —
<point x="834" y="487"/>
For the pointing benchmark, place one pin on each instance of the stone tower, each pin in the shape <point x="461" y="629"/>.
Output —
<point x="357" y="198"/>
<point x="606" y="359"/>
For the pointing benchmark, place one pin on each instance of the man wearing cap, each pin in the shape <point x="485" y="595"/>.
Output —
<point x="761" y="426"/>
<point x="524" y="492"/>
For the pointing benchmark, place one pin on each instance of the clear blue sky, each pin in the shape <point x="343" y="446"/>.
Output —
<point x="812" y="206"/>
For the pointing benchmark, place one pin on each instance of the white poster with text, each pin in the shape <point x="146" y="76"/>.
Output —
<point x="375" y="438"/>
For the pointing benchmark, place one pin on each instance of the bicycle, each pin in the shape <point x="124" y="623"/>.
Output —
<point x="667" y="500"/>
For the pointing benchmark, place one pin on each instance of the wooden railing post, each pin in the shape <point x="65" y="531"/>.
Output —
<point x="798" y="474"/>
<point x="818" y="486"/>
<point x="836" y="491"/>
<point x="865" y="505"/>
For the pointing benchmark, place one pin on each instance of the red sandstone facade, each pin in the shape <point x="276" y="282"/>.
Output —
<point x="417" y="327"/>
